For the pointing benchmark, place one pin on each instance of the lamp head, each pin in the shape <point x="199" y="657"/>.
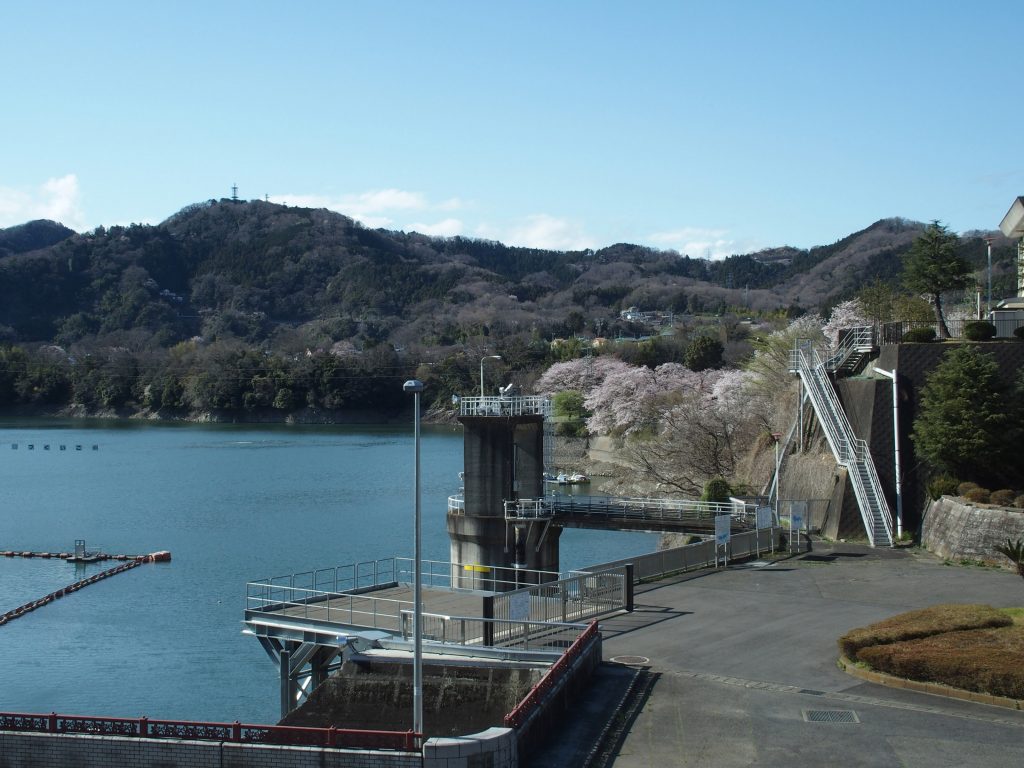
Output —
<point x="413" y="385"/>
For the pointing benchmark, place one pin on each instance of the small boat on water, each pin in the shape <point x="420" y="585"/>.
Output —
<point x="565" y="479"/>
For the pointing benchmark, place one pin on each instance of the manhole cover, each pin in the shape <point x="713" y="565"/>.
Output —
<point x="633" y="660"/>
<point x="830" y="716"/>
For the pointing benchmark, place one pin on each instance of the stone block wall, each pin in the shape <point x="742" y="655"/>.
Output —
<point x="956" y="529"/>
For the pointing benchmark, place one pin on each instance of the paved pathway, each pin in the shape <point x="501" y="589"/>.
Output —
<point x="738" y="658"/>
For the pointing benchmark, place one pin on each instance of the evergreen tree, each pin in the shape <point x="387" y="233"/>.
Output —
<point x="703" y="353"/>
<point x="933" y="266"/>
<point x="966" y="424"/>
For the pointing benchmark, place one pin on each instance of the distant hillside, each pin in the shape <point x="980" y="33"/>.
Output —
<point x="294" y="278"/>
<point x="32" y="236"/>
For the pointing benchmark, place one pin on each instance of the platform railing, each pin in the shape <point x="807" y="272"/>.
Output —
<point x="520" y="635"/>
<point x="513" y="405"/>
<point x="369" y="574"/>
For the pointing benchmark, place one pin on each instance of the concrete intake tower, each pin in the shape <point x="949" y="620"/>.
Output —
<point x="504" y="460"/>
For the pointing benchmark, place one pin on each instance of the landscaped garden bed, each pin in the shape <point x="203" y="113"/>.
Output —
<point x="971" y="647"/>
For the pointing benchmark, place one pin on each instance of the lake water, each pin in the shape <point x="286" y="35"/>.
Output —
<point x="233" y="504"/>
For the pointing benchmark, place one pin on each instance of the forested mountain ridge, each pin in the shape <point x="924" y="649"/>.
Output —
<point x="293" y="278"/>
<point x="31" y="236"/>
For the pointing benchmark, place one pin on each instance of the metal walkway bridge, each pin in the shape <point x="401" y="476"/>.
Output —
<point x="625" y="514"/>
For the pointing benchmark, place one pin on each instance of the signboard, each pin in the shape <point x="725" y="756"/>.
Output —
<point x="797" y="514"/>
<point x="723" y="529"/>
<point x="519" y="606"/>
<point x="764" y="517"/>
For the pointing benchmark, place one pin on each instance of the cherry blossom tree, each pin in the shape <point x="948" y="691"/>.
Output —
<point x="845" y="314"/>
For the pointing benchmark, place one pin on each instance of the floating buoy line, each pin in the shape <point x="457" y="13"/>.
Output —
<point x="130" y="561"/>
<point x="58" y="447"/>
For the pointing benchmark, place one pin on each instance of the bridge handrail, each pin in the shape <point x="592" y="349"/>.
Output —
<point x="655" y="509"/>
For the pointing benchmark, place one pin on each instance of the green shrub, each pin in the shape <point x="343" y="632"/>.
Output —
<point x="978" y="495"/>
<point x="943" y="485"/>
<point x="979" y="330"/>
<point x="716" y="489"/>
<point x="1014" y="552"/>
<point x="1018" y="333"/>
<point x="921" y="623"/>
<point x="919" y="335"/>
<point x="963" y="488"/>
<point x="1003" y="497"/>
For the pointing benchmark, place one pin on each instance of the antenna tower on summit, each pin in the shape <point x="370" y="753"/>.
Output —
<point x="234" y="192"/>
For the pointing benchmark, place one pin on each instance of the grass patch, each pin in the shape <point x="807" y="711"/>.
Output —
<point x="1017" y="614"/>
<point x="926" y="622"/>
<point x="981" y="660"/>
<point x="972" y="647"/>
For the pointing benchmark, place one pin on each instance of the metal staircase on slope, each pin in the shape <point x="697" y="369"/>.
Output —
<point x="849" y="451"/>
<point x="855" y="345"/>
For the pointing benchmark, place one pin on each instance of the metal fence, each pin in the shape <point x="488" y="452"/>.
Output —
<point x="692" y="557"/>
<point x="236" y="732"/>
<point x="892" y="333"/>
<point x="535" y="698"/>
<point x="578" y="597"/>
<point x="482" y="632"/>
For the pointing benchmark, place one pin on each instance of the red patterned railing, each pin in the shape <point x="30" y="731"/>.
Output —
<point x="531" y="701"/>
<point x="241" y="733"/>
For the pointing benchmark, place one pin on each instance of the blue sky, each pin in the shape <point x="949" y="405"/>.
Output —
<point x="708" y="127"/>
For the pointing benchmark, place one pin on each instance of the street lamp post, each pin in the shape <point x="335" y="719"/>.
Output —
<point x="416" y="387"/>
<point x="896" y="447"/>
<point x="488" y="357"/>
<point x="777" y="437"/>
<point x="988" y="241"/>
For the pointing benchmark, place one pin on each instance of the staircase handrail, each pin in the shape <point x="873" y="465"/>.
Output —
<point x="839" y="433"/>
<point x="849" y="450"/>
<point x="852" y="340"/>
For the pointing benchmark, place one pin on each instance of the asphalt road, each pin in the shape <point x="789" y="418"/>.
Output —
<point x="736" y="664"/>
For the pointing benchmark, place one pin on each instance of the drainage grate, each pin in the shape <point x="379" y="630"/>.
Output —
<point x="830" y="716"/>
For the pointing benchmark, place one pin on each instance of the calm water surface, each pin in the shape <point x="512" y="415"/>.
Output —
<point x="233" y="504"/>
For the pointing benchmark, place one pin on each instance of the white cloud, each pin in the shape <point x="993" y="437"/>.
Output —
<point x="703" y="243"/>
<point x="443" y="228"/>
<point x="540" y="231"/>
<point x="56" y="199"/>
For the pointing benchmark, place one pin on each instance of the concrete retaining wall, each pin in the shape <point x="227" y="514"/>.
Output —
<point x="493" y="748"/>
<point x="33" y="750"/>
<point x="955" y="529"/>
